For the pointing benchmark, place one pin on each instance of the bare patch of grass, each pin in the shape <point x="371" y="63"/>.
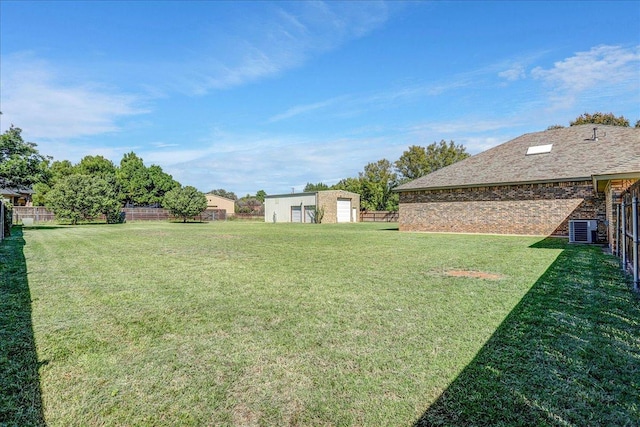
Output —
<point x="473" y="274"/>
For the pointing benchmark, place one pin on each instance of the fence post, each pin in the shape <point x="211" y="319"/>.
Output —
<point x="636" y="242"/>
<point x="617" y="235"/>
<point x="624" y="235"/>
<point x="1" y="221"/>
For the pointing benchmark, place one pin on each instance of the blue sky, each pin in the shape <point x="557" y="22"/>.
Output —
<point x="250" y="96"/>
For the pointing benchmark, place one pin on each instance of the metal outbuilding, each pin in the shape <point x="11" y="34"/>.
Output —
<point x="330" y="206"/>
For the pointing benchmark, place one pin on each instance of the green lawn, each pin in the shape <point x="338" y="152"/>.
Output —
<point x="244" y="323"/>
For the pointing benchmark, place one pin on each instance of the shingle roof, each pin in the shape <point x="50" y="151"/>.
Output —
<point x="11" y="191"/>
<point x="574" y="155"/>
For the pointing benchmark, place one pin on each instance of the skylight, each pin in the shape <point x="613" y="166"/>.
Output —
<point x="539" y="149"/>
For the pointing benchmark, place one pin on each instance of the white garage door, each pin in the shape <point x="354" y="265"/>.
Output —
<point x="344" y="210"/>
<point x="296" y="214"/>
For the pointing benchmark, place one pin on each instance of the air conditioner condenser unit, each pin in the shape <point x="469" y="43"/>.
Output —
<point x="583" y="230"/>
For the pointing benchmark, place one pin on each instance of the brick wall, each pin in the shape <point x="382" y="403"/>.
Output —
<point x="531" y="209"/>
<point x="328" y="200"/>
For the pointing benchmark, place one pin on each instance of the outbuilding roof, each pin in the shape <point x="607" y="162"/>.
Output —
<point x="311" y="193"/>
<point x="565" y="154"/>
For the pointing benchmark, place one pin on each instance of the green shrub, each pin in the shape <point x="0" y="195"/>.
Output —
<point x="318" y="214"/>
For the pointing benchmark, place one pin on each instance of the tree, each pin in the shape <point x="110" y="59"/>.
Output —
<point x="353" y="185"/>
<point x="82" y="197"/>
<point x="443" y="154"/>
<point x="260" y="195"/>
<point x="161" y="184"/>
<point x="40" y="191"/>
<point x="185" y="202"/>
<point x="637" y="124"/>
<point x="418" y="161"/>
<point x="21" y="165"/>
<point x="250" y="204"/>
<point x="97" y="166"/>
<point x="600" y="119"/>
<point x="224" y="193"/>
<point x="315" y="187"/>
<point x="133" y="181"/>
<point x="60" y="169"/>
<point x="413" y="163"/>
<point x="378" y="181"/>
<point x="57" y="171"/>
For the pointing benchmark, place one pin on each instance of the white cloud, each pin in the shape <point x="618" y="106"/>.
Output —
<point x="467" y="125"/>
<point x="478" y="144"/>
<point x="603" y="69"/>
<point x="304" y="109"/>
<point x="36" y="97"/>
<point x="515" y="68"/>
<point x="476" y="134"/>
<point x="516" y="72"/>
<point x="350" y="105"/>
<point x="288" y="37"/>
<point x="245" y="163"/>
<point x="163" y="144"/>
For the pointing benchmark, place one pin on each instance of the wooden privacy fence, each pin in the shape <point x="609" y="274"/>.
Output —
<point x="250" y="216"/>
<point x="41" y="214"/>
<point x="378" y="216"/>
<point x="627" y="232"/>
<point x="146" y="214"/>
<point x="35" y="213"/>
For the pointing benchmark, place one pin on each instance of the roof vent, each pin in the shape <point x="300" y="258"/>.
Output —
<point x="596" y="135"/>
<point x="539" y="149"/>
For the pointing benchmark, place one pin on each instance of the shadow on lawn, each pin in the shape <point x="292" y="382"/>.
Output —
<point x="20" y="399"/>
<point x="567" y="354"/>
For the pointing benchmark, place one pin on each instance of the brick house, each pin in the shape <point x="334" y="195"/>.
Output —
<point x="534" y="185"/>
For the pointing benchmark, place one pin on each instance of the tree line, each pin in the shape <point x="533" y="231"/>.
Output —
<point x="93" y="187"/>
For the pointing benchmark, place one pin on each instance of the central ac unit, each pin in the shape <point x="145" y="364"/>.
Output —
<point x="583" y="230"/>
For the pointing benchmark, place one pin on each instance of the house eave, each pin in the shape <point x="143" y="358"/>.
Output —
<point x="599" y="181"/>
<point x="492" y="184"/>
